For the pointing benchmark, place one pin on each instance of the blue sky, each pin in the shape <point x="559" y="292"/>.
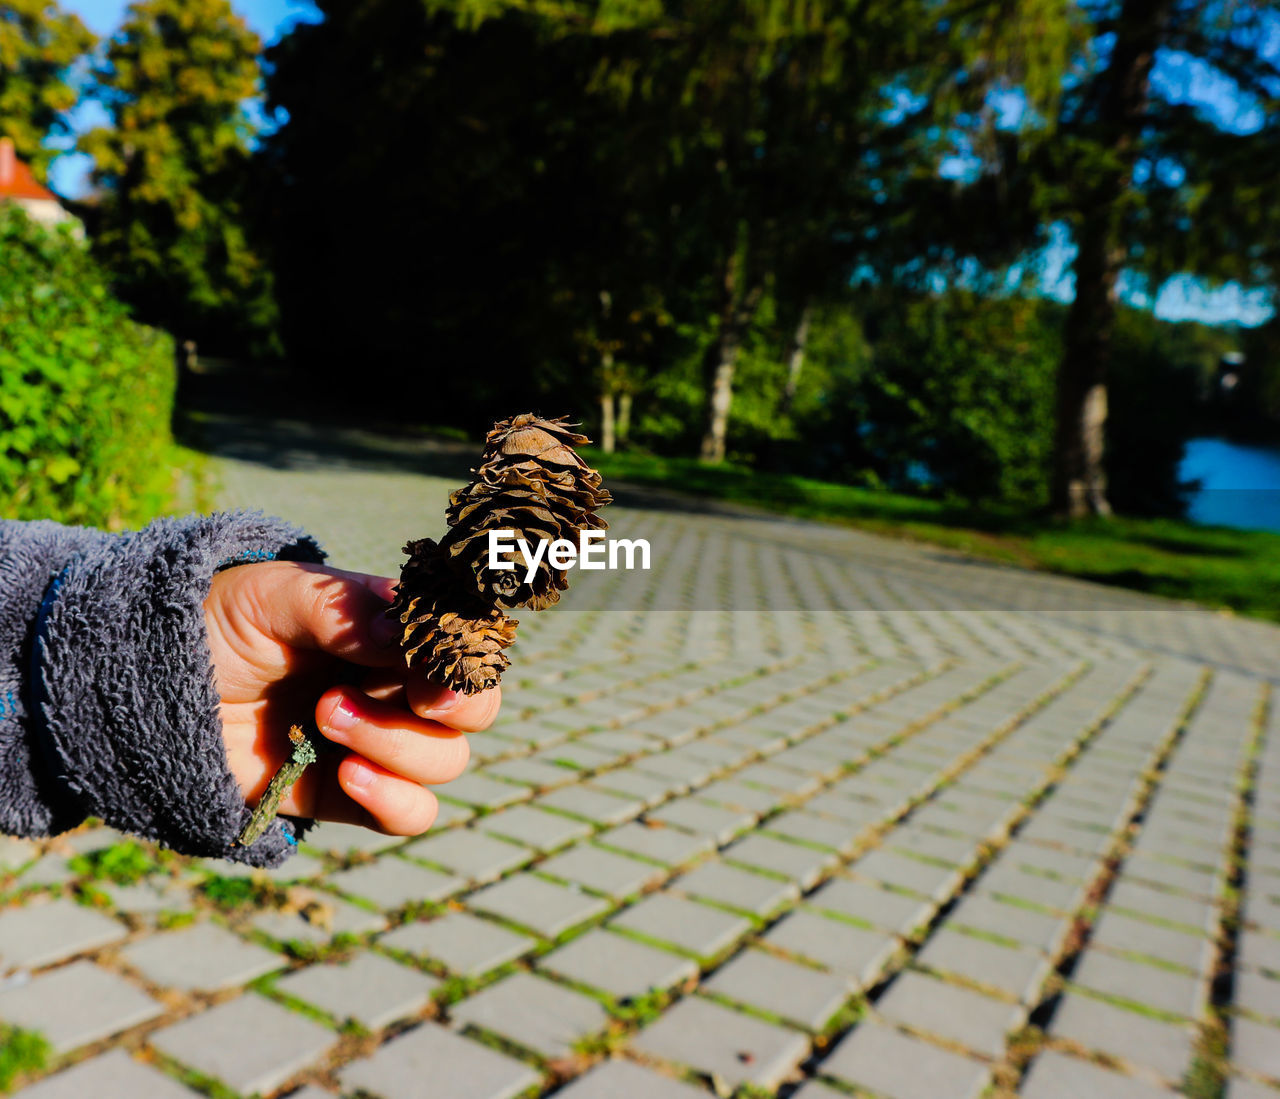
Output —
<point x="1180" y="79"/>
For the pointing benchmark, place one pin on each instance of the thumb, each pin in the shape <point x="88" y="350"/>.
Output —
<point x="330" y="610"/>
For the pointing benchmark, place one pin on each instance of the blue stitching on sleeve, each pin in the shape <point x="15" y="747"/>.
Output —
<point x="246" y="557"/>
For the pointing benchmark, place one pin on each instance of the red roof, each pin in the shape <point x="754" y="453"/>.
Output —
<point x="16" y="180"/>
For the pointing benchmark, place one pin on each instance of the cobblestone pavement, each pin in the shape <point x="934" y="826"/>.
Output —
<point x="979" y="831"/>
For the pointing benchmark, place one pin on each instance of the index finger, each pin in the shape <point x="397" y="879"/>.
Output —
<point x="332" y="610"/>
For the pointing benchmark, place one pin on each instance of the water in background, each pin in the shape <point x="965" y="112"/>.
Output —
<point x="1240" y="485"/>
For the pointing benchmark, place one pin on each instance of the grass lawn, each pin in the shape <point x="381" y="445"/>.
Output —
<point x="1214" y="566"/>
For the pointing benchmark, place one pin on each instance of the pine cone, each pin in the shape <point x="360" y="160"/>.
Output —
<point x="449" y="602"/>
<point x="448" y="631"/>
<point x="533" y="482"/>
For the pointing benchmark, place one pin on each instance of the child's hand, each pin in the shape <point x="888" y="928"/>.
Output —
<point x="289" y="640"/>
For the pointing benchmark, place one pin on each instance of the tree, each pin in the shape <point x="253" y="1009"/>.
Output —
<point x="1152" y="184"/>
<point x="174" y="225"/>
<point x="38" y="44"/>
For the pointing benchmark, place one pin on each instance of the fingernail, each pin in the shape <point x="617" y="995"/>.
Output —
<point x="445" y="701"/>
<point x="384" y="631"/>
<point x="359" y="775"/>
<point x="342" y="717"/>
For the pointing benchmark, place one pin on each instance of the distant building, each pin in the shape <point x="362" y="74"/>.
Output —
<point x="17" y="184"/>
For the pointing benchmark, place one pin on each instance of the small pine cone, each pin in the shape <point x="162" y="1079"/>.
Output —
<point x="451" y="634"/>
<point x="530" y="481"/>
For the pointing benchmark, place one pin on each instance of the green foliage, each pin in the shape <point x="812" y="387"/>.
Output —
<point x="125" y="863"/>
<point x="21" y="1051"/>
<point x="85" y="393"/>
<point x="38" y="44"/>
<point x="232" y="893"/>
<point x="174" y="225"/>
<point x="959" y="396"/>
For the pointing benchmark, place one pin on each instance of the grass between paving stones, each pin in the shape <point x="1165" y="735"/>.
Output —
<point x="1009" y="1073"/>
<point x="1216" y="566"/>
<point x="1210" y="1069"/>
<point x="22" y="1052"/>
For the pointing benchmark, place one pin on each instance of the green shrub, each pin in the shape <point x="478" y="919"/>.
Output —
<point x="85" y="393"/>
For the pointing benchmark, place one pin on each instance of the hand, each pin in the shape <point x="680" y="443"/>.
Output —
<point x="289" y="640"/>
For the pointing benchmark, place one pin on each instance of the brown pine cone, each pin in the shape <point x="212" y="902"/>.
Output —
<point x="449" y="601"/>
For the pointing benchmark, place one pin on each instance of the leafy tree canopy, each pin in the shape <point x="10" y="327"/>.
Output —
<point x="38" y="44"/>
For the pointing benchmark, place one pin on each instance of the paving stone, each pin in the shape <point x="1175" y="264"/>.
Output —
<point x="249" y="1043"/>
<point x="856" y="953"/>
<point x="1151" y="985"/>
<point x="1127" y="1035"/>
<point x="1257" y="993"/>
<point x="802" y="865"/>
<point x="40" y="933"/>
<point x="392" y="883"/>
<point x="15" y="852"/>
<point x="669" y="846"/>
<point x="539" y="905"/>
<point x="725" y="1044"/>
<point x="811" y="828"/>
<point x="457" y="1068"/>
<point x="926" y="878"/>
<point x="297" y="867"/>
<point x="533" y="1012"/>
<point x="650" y="789"/>
<point x="75" y="1005"/>
<point x="1130" y="935"/>
<point x="626" y="1080"/>
<point x="50" y="869"/>
<point x="698" y="928"/>
<point x="326" y="917"/>
<point x="618" y="965"/>
<point x="1016" y="971"/>
<point x="1007" y="880"/>
<point x="1255" y="1047"/>
<point x="473" y="855"/>
<point x="202" y="957"/>
<point x="951" y="1012"/>
<point x="114" y="1075"/>
<point x="1199" y="881"/>
<point x="466" y="944"/>
<point x="899" y="1066"/>
<point x="603" y="871"/>
<point x="481" y="792"/>
<point x="705" y="819"/>
<point x="534" y="827"/>
<point x="795" y="993"/>
<point x="341" y="839"/>
<point x="1243" y="1089"/>
<point x="744" y="890"/>
<point x="1056" y="1075"/>
<point x="592" y="804"/>
<point x="537" y="773"/>
<point x="147" y="898"/>
<point x="370" y="989"/>
<point x="867" y="903"/>
<point x="1160" y="904"/>
<point x="1010" y="921"/>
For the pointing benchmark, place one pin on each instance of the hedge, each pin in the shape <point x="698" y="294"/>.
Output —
<point x="85" y="393"/>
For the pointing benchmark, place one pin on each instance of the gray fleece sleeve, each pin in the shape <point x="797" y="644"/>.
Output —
<point x="112" y="710"/>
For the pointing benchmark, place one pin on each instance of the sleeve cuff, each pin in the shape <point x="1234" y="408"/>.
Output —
<point x="126" y="684"/>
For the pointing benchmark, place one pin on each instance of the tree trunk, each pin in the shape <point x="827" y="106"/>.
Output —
<point x="736" y="311"/>
<point x="1078" y="484"/>
<point x="795" y="359"/>
<point x="1079" y="479"/>
<point x="624" y="417"/>
<point x="608" y="434"/>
